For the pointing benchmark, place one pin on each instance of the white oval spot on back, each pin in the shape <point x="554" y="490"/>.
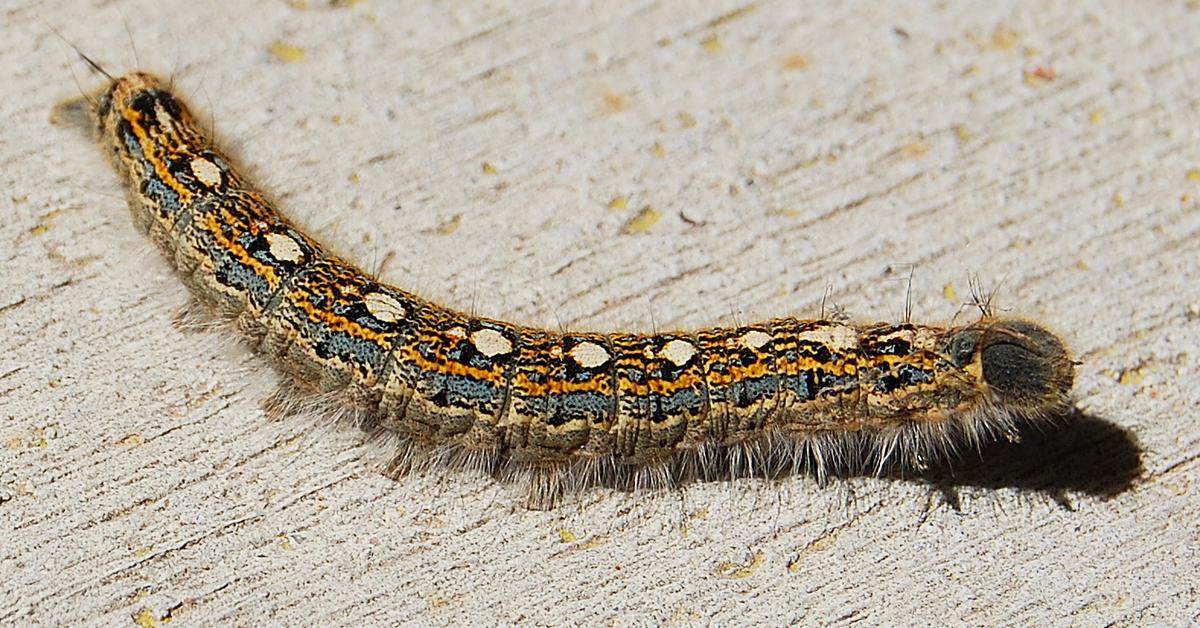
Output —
<point x="284" y="248"/>
<point x="384" y="307"/>
<point x="206" y="171"/>
<point x="491" y="343"/>
<point x="678" y="351"/>
<point x="589" y="355"/>
<point x="755" y="338"/>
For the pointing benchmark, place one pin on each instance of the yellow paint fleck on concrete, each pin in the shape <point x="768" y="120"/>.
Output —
<point x="1194" y="175"/>
<point x="488" y="168"/>
<point x="45" y="224"/>
<point x="821" y="544"/>
<point x="145" y="618"/>
<point x="450" y="226"/>
<point x="1004" y="38"/>
<point x="733" y="15"/>
<point x="658" y="149"/>
<point x="1118" y="201"/>
<point x="1096" y="116"/>
<point x="711" y="44"/>
<point x="1131" y="377"/>
<point x="950" y="293"/>
<point x="613" y="102"/>
<point x="132" y="440"/>
<point x="736" y="571"/>
<point x="618" y="202"/>
<point x="1180" y="489"/>
<point x="1082" y="265"/>
<point x="687" y="120"/>
<point x="1039" y="76"/>
<point x="915" y="150"/>
<point x="795" y="61"/>
<point x="287" y="53"/>
<point x="642" y="222"/>
<point x="567" y="536"/>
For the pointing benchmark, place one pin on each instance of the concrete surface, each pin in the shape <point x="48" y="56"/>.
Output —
<point x="497" y="157"/>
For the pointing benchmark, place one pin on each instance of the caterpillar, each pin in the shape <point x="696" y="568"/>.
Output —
<point x="561" y="409"/>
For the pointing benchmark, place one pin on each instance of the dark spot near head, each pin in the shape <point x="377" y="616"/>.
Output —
<point x="148" y="103"/>
<point x="143" y="103"/>
<point x="170" y="104"/>
<point x="961" y="347"/>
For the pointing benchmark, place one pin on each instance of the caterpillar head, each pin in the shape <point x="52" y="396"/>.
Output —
<point x="1022" y="366"/>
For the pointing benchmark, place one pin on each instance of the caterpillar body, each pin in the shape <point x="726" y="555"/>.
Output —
<point x="567" y="408"/>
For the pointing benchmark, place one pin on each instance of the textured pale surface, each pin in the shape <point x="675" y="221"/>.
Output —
<point x="1047" y="145"/>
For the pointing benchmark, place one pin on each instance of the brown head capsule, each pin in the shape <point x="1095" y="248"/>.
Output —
<point x="1021" y="367"/>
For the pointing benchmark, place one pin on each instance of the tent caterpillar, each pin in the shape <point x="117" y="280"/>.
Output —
<point x="571" y="408"/>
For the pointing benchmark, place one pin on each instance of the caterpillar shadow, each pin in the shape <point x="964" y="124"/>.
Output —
<point x="1081" y="454"/>
<point x="1077" y="453"/>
